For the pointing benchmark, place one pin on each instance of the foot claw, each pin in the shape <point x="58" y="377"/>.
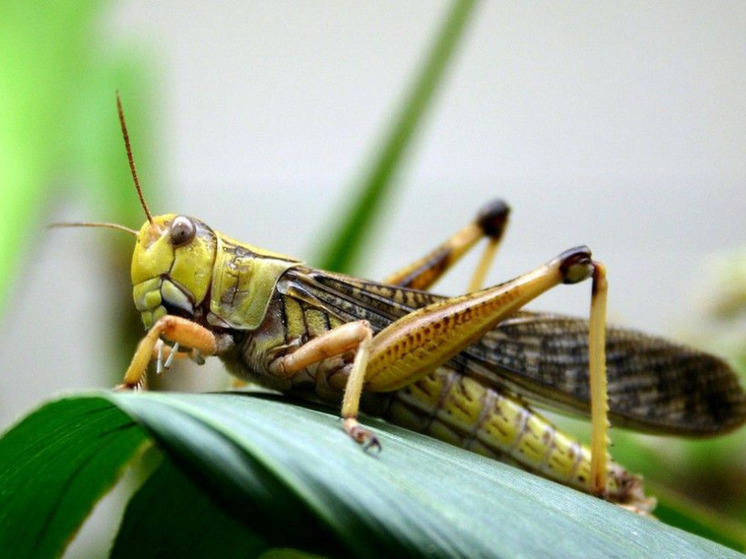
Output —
<point x="197" y="357"/>
<point x="126" y="387"/>
<point x="361" y="435"/>
<point x="372" y="443"/>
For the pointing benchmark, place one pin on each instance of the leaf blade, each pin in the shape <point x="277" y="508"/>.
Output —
<point x="54" y="466"/>
<point x="155" y="523"/>
<point x="420" y="497"/>
<point x="398" y="501"/>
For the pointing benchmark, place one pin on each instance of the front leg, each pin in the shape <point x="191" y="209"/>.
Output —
<point x="175" y="329"/>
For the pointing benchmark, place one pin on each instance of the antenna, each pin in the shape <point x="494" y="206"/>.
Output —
<point x="131" y="159"/>
<point x="93" y="224"/>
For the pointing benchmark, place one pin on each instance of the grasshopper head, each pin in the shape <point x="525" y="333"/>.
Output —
<point x="172" y="266"/>
<point x="173" y="259"/>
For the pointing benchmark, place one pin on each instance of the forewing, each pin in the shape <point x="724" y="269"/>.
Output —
<point x="654" y="385"/>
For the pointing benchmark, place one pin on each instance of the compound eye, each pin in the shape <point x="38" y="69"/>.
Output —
<point x="182" y="231"/>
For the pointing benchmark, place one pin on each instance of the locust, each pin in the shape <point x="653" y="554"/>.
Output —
<point x="465" y="369"/>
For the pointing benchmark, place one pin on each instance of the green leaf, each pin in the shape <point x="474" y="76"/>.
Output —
<point x="41" y="46"/>
<point x="288" y="475"/>
<point x="58" y="119"/>
<point x="347" y="245"/>
<point x="205" y="530"/>
<point x="207" y="447"/>
<point x="54" y="466"/>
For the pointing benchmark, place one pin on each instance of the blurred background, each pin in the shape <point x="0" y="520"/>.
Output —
<point x="619" y="126"/>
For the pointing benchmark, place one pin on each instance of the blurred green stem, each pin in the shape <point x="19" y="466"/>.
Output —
<point x="344" y="251"/>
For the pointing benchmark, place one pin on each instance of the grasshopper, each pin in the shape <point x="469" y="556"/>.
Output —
<point x="463" y="369"/>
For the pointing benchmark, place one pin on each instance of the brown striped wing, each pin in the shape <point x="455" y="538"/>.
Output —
<point x="654" y="385"/>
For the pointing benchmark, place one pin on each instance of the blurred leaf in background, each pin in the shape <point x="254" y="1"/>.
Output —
<point x="348" y="242"/>
<point x="715" y="473"/>
<point x="59" y="132"/>
<point x="723" y="303"/>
